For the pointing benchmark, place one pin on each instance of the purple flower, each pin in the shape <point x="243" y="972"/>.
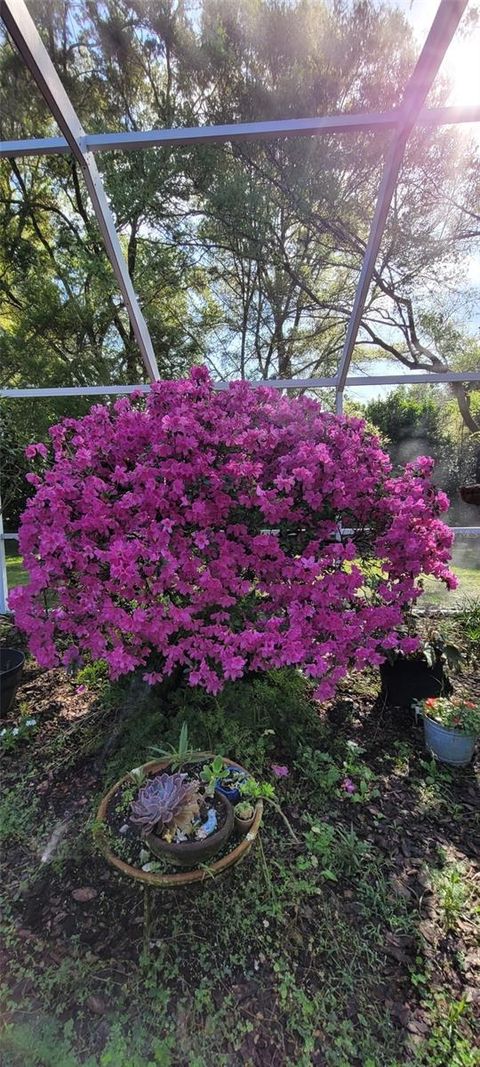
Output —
<point x="279" y="770"/>
<point x="156" y="522"/>
<point x="348" y="786"/>
<point x="36" y="450"/>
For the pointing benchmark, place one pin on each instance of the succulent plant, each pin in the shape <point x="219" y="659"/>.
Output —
<point x="168" y="799"/>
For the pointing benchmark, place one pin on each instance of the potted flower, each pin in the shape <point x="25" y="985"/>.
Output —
<point x="451" y="728"/>
<point x="244" y="816"/>
<point x="178" y="822"/>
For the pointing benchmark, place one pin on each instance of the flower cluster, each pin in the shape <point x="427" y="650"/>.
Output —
<point x="10" y="736"/>
<point x="280" y="770"/>
<point x="454" y="713"/>
<point x="223" y="532"/>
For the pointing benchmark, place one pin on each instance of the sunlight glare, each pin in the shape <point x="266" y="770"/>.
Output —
<point x="463" y="68"/>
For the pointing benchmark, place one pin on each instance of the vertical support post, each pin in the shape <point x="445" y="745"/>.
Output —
<point x="441" y="32"/>
<point x="3" y="569"/>
<point x="339" y="394"/>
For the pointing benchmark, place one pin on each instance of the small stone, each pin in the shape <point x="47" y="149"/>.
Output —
<point x="25" y="935"/>
<point x="124" y="829"/>
<point x="97" y="1004"/>
<point x="85" y="894"/>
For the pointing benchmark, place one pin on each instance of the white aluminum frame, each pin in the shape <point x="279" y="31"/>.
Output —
<point x="75" y="139"/>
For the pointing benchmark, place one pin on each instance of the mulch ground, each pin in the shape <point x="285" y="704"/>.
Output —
<point x="81" y="898"/>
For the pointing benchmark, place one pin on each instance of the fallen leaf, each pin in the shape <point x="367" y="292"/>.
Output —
<point x="417" y="1026"/>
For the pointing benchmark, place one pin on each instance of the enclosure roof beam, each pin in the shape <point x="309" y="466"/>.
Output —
<point x="26" y="38"/>
<point x="441" y="32"/>
<point x="272" y="383"/>
<point x="241" y="131"/>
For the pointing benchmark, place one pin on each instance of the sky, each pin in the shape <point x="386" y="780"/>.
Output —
<point x="462" y="60"/>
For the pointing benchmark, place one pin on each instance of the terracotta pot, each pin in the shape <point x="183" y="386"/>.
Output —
<point x="242" y="826"/>
<point x="183" y="878"/>
<point x="194" y="853"/>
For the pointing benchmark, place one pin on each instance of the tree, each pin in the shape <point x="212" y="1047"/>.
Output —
<point x="421" y="420"/>
<point x="247" y="254"/>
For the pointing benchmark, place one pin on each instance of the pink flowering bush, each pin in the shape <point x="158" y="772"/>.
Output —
<point x="202" y="530"/>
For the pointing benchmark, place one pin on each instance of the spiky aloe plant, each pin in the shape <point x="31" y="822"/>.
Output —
<point x="170" y="801"/>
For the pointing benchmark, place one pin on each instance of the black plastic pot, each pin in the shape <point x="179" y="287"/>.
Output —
<point x="194" y="853"/>
<point x="11" y="667"/>
<point x="409" y="679"/>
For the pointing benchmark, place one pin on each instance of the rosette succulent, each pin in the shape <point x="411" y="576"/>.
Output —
<point x="170" y="801"/>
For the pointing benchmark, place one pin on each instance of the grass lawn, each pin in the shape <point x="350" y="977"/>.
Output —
<point x="16" y="575"/>
<point x="435" y="593"/>
<point x="468" y="587"/>
<point x="352" y="946"/>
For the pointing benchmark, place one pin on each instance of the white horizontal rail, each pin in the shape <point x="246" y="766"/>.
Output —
<point x="455" y="529"/>
<point x="354" y="381"/>
<point x="240" y="131"/>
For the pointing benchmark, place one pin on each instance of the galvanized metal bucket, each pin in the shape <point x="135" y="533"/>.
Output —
<point x="449" y="746"/>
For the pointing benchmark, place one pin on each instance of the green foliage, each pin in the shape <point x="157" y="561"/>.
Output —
<point x="291" y="945"/>
<point x="17" y="813"/>
<point x="94" y="675"/>
<point x="349" y="778"/>
<point x="416" y="421"/>
<point x="338" y="852"/>
<point x="254" y="790"/>
<point x="24" y="730"/>
<point x="408" y="419"/>
<point x="454" y="893"/>
<point x="448" y="1044"/>
<point x="469" y="616"/>
<point x="48" y="1044"/>
<point x="178" y="754"/>
<point x="212" y="773"/>
<point x="245" y="722"/>
<point x="244" y="810"/>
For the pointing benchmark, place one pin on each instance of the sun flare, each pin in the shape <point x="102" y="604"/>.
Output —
<point x="462" y="65"/>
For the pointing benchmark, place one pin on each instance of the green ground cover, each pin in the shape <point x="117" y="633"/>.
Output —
<point x="354" y="948"/>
